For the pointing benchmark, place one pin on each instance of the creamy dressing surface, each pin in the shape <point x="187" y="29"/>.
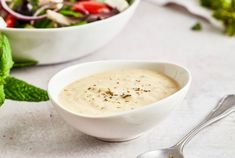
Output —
<point x="116" y="91"/>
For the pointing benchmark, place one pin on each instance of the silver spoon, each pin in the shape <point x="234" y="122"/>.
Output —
<point x="225" y="107"/>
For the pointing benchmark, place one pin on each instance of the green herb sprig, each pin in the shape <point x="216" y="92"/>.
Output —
<point x="223" y="10"/>
<point x="24" y="63"/>
<point x="10" y="87"/>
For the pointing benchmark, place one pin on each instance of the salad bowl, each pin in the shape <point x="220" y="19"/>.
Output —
<point x="124" y="125"/>
<point x="56" y="45"/>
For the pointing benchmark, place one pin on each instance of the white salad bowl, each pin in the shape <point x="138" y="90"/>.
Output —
<point x="48" y="46"/>
<point x="125" y="125"/>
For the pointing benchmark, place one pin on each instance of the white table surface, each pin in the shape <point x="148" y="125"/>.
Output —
<point x="156" y="33"/>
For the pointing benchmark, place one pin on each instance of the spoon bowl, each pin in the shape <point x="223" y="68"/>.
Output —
<point x="172" y="152"/>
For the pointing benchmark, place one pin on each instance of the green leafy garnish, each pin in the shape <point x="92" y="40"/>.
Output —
<point x="196" y="27"/>
<point x="2" y="95"/>
<point x="10" y="87"/>
<point x="6" y="61"/>
<point x="228" y="19"/>
<point x="24" y="63"/>
<point x="212" y="4"/>
<point x="223" y="10"/>
<point x="218" y="4"/>
<point x="16" y="89"/>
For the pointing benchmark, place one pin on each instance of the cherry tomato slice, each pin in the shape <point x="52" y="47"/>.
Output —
<point x="91" y="7"/>
<point x="10" y="20"/>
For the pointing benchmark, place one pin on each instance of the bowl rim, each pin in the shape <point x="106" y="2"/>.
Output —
<point x="56" y="102"/>
<point x="132" y="6"/>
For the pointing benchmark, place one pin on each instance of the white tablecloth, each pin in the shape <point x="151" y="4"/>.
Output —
<point x="29" y="130"/>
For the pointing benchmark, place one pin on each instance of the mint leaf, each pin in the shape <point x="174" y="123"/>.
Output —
<point x="2" y="95"/>
<point x="6" y="61"/>
<point x="10" y="87"/>
<point x="24" y="63"/>
<point x="5" y="64"/>
<point x="19" y="90"/>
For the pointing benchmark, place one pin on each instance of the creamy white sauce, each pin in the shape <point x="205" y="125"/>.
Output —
<point x="116" y="91"/>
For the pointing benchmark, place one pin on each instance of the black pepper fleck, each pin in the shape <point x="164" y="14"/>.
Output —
<point x="125" y="96"/>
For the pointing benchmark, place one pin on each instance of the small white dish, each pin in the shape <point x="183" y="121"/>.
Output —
<point x="49" y="46"/>
<point x="125" y="125"/>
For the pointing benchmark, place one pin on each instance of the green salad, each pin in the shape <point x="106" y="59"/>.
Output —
<point x="57" y="13"/>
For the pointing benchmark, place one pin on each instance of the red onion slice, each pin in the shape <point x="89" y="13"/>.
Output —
<point x="17" y="15"/>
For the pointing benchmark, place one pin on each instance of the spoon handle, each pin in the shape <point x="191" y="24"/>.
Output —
<point x="225" y="107"/>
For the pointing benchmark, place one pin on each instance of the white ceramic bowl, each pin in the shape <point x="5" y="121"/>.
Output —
<point x="49" y="46"/>
<point x="126" y="125"/>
